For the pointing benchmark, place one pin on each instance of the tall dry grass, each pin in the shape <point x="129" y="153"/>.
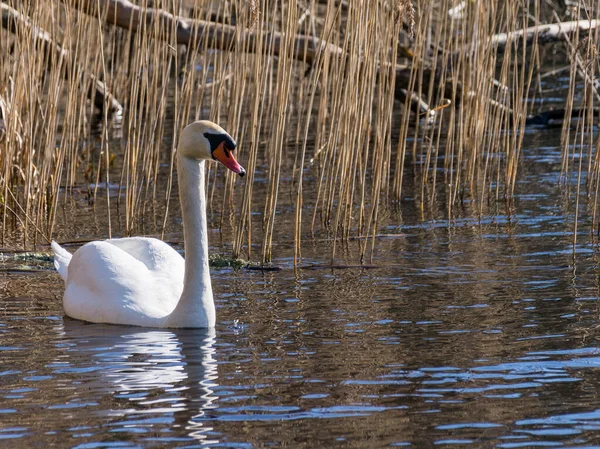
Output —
<point x="317" y="129"/>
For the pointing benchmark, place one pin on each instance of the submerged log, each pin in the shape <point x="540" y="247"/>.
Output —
<point x="15" y="22"/>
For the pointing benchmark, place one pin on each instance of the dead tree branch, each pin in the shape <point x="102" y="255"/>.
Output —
<point x="125" y="14"/>
<point x="15" y="22"/>
<point x="544" y="33"/>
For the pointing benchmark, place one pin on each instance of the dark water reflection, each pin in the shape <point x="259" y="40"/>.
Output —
<point x="479" y="334"/>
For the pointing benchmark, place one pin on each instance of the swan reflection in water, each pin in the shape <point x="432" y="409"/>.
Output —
<point x="157" y="371"/>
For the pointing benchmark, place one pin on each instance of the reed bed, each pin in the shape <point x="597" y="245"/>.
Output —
<point x="338" y="107"/>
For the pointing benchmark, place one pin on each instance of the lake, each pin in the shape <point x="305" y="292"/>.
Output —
<point x="479" y="331"/>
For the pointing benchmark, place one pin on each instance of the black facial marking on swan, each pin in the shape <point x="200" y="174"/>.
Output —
<point x="216" y="139"/>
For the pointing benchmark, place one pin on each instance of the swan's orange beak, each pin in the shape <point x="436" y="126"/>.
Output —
<point x="225" y="157"/>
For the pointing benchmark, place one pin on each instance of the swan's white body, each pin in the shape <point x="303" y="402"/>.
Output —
<point x="143" y="281"/>
<point x="136" y="281"/>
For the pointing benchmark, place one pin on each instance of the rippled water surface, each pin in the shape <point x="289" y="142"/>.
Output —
<point x="478" y="334"/>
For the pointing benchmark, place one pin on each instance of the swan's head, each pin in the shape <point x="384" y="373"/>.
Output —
<point x="207" y="140"/>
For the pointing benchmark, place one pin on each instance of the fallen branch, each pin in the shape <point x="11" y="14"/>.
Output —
<point x="555" y="117"/>
<point x="543" y="33"/>
<point x="417" y="104"/>
<point x="403" y="77"/>
<point x="125" y="14"/>
<point x="15" y="22"/>
<point x="196" y="33"/>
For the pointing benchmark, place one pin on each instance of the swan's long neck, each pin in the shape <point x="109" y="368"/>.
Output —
<point x="196" y="307"/>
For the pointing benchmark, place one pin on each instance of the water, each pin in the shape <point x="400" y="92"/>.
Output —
<point x="479" y="334"/>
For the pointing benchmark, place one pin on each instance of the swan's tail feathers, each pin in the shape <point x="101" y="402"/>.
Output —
<point x="62" y="257"/>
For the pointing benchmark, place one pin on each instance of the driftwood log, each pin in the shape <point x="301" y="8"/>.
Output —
<point x="15" y="22"/>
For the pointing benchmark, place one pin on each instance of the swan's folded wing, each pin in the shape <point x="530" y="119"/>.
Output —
<point x="124" y="281"/>
<point x="154" y="253"/>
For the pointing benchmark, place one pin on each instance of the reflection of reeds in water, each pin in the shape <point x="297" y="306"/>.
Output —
<point x="315" y="120"/>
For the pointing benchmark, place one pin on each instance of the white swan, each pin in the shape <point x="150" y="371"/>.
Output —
<point x="143" y="281"/>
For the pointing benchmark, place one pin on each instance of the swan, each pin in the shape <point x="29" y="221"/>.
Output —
<point x="140" y="281"/>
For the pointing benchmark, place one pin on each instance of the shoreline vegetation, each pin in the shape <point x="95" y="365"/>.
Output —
<point x="339" y="108"/>
<point x="28" y="261"/>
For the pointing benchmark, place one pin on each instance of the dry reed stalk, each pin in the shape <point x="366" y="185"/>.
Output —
<point x="279" y="118"/>
<point x="30" y="161"/>
<point x="584" y="58"/>
<point x="258" y="103"/>
<point x="472" y="152"/>
<point x="345" y="153"/>
<point x="316" y="73"/>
